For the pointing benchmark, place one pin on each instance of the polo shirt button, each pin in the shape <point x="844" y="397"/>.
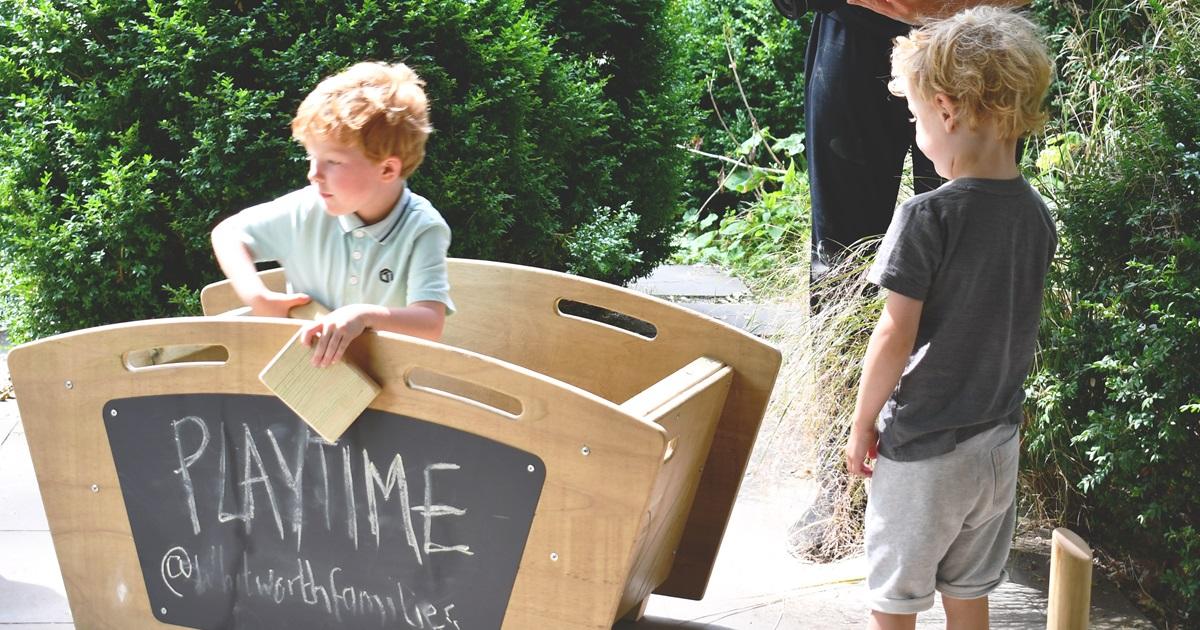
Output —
<point x="359" y="233"/>
<point x="353" y="279"/>
<point x="356" y="255"/>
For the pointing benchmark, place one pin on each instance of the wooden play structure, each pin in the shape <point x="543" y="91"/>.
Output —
<point x="569" y="448"/>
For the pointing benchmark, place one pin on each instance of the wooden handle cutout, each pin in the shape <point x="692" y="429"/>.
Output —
<point x="497" y="402"/>
<point x="175" y="356"/>
<point x="607" y="317"/>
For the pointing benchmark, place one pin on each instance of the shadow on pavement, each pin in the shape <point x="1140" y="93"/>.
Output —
<point x="658" y="623"/>
<point x="21" y="602"/>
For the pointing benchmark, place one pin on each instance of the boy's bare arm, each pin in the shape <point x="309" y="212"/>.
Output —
<point x="238" y="265"/>
<point x="887" y="353"/>
<point x="331" y="335"/>
<point x="918" y="11"/>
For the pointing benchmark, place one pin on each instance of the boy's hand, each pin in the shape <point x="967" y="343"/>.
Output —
<point x="274" y="304"/>
<point x="862" y="445"/>
<point x="334" y="332"/>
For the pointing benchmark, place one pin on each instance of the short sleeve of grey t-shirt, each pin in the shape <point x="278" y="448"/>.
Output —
<point x="976" y="253"/>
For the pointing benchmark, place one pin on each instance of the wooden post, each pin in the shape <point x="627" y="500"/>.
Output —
<point x="1070" y="581"/>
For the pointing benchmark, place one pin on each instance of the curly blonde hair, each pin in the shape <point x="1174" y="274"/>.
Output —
<point x="991" y="62"/>
<point x="377" y="107"/>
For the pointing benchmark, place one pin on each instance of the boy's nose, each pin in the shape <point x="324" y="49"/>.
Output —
<point x="314" y="173"/>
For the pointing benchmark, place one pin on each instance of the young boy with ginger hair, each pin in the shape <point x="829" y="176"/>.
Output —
<point x="356" y="240"/>
<point x="939" y="403"/>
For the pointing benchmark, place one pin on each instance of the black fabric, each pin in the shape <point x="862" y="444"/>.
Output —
<point x="863" y="18"/>
<point x="856" y="132"/>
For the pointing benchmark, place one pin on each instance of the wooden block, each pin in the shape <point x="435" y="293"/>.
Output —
<point x="329" y="399"/>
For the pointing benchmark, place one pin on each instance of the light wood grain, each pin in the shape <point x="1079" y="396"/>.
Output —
<point x="668" y="389"/>
<point x="312" y="310"/>
<point x="511" y="313"/>
<point x="601" y="463"/>
<point x="689" y="417"/>
<point x="219" y="297"/>
<point x="1070" y="582"/>
<point x="329" y="399"/>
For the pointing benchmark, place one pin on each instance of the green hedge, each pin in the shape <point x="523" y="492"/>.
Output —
<point x="635" y="44"/>
<point x="128" y="128"/>
<point x="1117" y="392"/>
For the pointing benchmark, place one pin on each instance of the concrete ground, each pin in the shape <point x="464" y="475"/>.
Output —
<point x="756" y="583"/>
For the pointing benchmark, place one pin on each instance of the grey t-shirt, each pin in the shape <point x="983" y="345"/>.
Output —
<point x="976" y="252"/>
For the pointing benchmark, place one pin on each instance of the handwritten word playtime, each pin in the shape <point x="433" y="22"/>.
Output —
<point x="262" y="483"/>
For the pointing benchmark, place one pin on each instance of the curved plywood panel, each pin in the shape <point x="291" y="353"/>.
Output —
<point x="517" y="314"/>
<point x="600" y="462"/>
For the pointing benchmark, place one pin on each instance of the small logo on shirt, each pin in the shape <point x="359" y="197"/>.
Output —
<point x="386" y="275"/>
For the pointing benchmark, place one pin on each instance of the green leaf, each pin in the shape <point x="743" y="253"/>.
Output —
<point x="750" y="144"/>
<point x="791" y="146"/>
<point x="744" y="180"/>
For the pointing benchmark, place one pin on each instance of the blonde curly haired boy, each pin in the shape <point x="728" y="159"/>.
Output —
<point x="939" y="403"/>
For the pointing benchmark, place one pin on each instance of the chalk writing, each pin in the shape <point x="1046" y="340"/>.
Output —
<point x="186" y="462"/>
<point x="430" y="510"/>
<point x="395" y="479"/>
<point x="176" y="563"/>
<point x="243" y="517"/>
<point x="259" y="477"/>
<point x="294" y="480"/>
<point x="327" y="590"/>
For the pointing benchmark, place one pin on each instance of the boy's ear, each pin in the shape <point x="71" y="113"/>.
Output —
<point x="947" y="111"/>
<point x="390" y="168"/>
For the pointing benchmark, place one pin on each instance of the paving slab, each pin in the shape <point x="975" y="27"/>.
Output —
<point x="21" y="507"/>
<point x="31" y="587"/>
<point x="764" y="320"/>
<point x="709" y="290"/>
<point x="10" y="422"/>
<point x="9" y="419"/>
<point x="756" y="583"/>
<point x="698" y="281"/>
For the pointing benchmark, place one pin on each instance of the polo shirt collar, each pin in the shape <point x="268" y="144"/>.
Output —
<point x="381" y="230"/>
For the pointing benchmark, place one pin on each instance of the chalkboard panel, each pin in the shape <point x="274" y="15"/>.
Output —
<point x="244" y="518"/>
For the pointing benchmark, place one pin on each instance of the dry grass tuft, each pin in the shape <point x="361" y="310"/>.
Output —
<point x="814" y="397"/>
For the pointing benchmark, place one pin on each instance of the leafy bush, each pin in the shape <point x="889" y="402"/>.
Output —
<point x="1117" y="394"/>
<point x="127" y="129"/>
<point x="603" y="247"/>
<point x="635" y="44"/>
<point x="763" y="235"/>
<point x="764" y="88"/>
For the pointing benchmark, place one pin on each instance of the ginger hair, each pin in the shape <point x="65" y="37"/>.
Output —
<point x="379" y="108"/>
<point x="991" y="62"/>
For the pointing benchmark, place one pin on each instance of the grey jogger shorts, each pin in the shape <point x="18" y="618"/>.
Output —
<point x="945" y="522"/>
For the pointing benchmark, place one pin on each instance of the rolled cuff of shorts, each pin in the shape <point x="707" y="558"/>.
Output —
<point x="900" y="606"/>
<point x="972" y="592"/>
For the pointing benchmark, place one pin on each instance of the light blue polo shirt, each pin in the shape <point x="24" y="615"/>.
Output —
<point x="339" y="261"/>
